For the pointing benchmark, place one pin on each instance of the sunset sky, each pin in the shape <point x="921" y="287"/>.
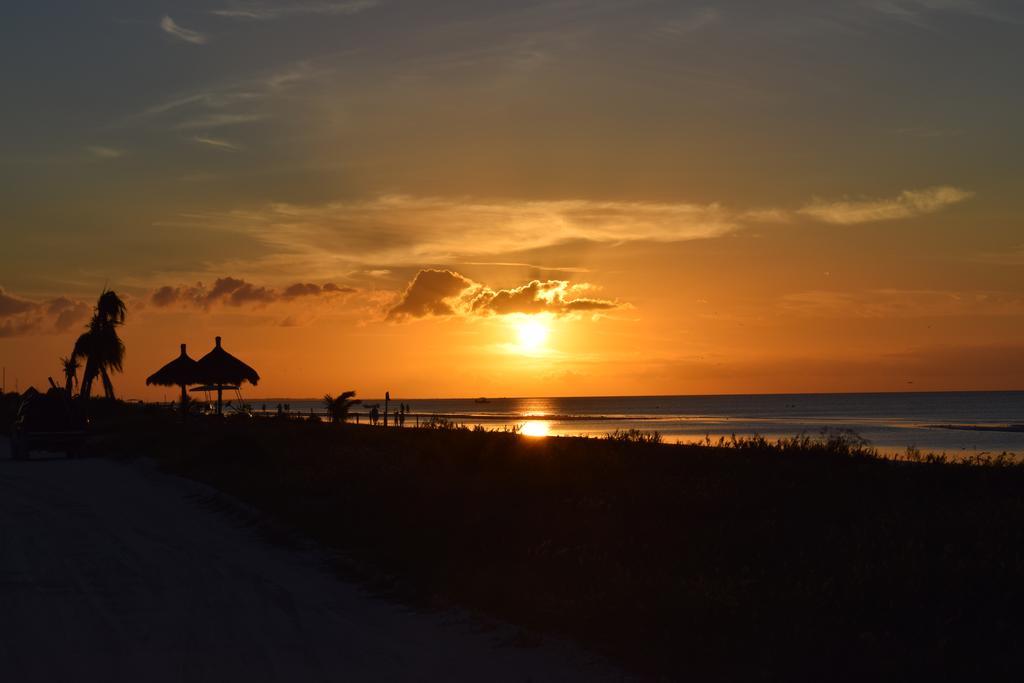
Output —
<point x="484" y="197"/>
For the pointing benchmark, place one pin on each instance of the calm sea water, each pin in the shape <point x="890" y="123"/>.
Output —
<point x="891" y="422"/>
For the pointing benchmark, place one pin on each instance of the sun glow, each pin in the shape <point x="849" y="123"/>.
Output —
<point x="532" y="335"/>
<point x="536" y="428"/>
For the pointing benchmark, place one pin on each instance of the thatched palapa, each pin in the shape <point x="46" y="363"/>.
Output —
<point x="180" y="372"/>
<point x="220" y="369"/>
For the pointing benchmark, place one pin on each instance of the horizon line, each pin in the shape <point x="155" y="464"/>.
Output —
<point x="617" y="396"/>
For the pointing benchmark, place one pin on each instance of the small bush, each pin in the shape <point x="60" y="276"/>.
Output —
<point x="634" y="436"/>
<point x="443" y="424"/>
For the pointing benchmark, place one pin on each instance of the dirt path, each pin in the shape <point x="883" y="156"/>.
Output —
<point x="114" y="572"/>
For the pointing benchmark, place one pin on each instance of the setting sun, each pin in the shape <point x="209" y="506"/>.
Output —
<point x="532" y="335"/>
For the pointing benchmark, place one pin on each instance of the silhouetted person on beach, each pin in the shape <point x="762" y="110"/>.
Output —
<point x="374" y="415"/>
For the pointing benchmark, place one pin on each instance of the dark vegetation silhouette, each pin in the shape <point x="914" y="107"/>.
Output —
<point x="9" y="403"/>
<point x="634" y="436"/>
<point x="50" y="422"/>
<point x="54" y="421"/>
<point x="100" y="346"/>
<point x="339" y="407"/>
<point x="810" y="558"/>
<point x="70" y="367"/>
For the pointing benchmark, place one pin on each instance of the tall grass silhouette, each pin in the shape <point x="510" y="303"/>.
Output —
<point x="812" y="557"/>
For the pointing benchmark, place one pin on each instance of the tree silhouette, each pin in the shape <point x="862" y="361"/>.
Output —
<point x="100" y="346"/>
<point x="70" y="366"/>
<point x="338" y="408"/>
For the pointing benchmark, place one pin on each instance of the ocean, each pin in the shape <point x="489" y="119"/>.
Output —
<point x="891" y="422"/>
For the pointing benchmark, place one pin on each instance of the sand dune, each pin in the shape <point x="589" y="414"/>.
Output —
<point x="117" y="572"/>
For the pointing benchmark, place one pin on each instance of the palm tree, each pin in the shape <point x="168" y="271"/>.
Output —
<point x="70" y="366"/>
<point x="100" y="346"/>
<point x="339" y="407"/>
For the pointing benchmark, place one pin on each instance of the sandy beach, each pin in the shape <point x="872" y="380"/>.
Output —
<point x="117" y="572"/>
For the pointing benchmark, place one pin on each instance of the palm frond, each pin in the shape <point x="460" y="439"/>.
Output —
<point x="110" y="308"/>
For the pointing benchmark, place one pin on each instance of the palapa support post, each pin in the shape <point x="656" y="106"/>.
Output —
<point x="184" y="388"/>
<point x="220" y="387"/>
<point x="219" y="370"/>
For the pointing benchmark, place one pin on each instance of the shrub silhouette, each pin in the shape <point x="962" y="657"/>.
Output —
<point x="100" y="345"/>
<point x="339" y="408"/>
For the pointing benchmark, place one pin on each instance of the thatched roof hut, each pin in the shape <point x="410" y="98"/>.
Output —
<point x="220" y="369"/>
<point x="180" y="372"/>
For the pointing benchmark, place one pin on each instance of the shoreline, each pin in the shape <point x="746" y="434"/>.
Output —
<point x="487" y="417"/>
<point x="981" y="428"/>
<point x="491" y="399"/>
<point x="892" y="422"/>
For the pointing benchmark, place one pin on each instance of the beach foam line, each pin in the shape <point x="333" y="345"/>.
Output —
<point x="981" y="428"/>
<point x="531" y="418"/>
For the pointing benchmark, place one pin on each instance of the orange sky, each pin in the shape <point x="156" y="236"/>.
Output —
<point x="685" y="198"/>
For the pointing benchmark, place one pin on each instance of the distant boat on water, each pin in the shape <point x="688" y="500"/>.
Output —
<point x="483" y="399"/>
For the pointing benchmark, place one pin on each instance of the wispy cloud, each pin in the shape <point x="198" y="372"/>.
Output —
<point x="928" y="132"/>
<point x="403" y="230"/>
<point x="219" y="121"/>
<point x="200" y="177"/>
<point x="918" y="11"/>
<point x="902" y="303"/>
<point x="217" y="143"/>
<point x="180" y="32"/>
<point x="530" y="266"/>
<point x="101" y="152"/>
<point x="232" y="102"/>
<point x="906" y="205"/>
<point x="396" y="231"/>
<point x="691" y="22"/>
<point x="263" y="11"/>
<point x="1012" y="256"/>
<point x="214" y="99"/>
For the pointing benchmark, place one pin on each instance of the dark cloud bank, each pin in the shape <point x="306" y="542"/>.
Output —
<point x="231" y="291"/>
<point x="431" y="293"/>
<point x="20" y="317"/>
<point x="444" y="292"/>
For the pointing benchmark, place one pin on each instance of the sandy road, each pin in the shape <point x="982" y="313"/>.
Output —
<point x="115" y="572"/>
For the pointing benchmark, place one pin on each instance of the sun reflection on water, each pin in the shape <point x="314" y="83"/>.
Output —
<point x="535" y="407"/>
<point x="536" y="428"/>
